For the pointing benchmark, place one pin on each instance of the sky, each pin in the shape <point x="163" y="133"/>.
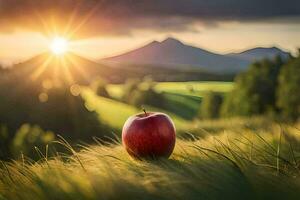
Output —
<point x="102" y="28"/>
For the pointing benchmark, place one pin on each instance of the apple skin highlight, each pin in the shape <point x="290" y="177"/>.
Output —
<point x="149" y="135"/>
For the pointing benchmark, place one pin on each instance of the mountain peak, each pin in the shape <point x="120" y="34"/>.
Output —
<point x="259" y="53"/>
<point x="274" y="48"/>
<point x="171" y="41"/>
<point x="173" y="53"/>
<point x="154" y="42"/>
<point x="265" y="49"/>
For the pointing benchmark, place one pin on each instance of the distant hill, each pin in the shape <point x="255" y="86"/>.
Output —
<point x="72" y="68"/>
<point x="259" y="53"/>
<point x="68" y="69"/>
<point x="173" y="53"/>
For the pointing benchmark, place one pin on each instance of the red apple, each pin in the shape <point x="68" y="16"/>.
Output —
<point x="149" y="135"/>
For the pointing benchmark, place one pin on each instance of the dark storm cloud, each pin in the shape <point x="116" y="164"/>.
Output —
<point x="122" y="16"/>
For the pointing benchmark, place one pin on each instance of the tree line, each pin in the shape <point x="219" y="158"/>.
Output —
<point x="269" y="87"/>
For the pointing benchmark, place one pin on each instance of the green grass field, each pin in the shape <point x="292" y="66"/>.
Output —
<point x="239" y="163"/>
<point x="194" y="88"/>
<point x="183" y="98"/>
<point x="182" y="88"/>
<point x="183" y="104"/>
<point x="112" y="112"/>
<point x="115" y="113"/>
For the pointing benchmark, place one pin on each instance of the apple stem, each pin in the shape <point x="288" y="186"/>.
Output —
<point x="145" y="111"/>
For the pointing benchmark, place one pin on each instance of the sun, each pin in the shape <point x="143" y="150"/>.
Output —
<point x="59" y="46"/>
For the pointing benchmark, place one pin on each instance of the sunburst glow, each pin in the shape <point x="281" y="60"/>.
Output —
<point x="59" y="46"/>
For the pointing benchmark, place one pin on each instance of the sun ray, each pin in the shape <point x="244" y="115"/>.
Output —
<point x="78" y="68"/>
<point x="71" y="19"/>
<point x="83" y="21"/>
<point x="54" y="26"/>
<point x="56" y="70"/>
<point x="44" y="23"/>
<point x="66" y="71"/>
<point x="41" y="69"/>
<point x="64" y="66"/>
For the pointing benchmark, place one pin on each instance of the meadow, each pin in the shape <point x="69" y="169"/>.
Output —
<point x="192" y="88"/>
<point x="241" y="161"/>
<point x="184" y="99"/>
<point x="197" y="88"/>
<point x="115" y="113"/>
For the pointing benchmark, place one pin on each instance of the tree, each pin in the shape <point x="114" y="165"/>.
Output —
<point x="255" y="90"/>
<point x="143" y="93"/>
<point x="99" y="86"/>
<point x="58" y="109"/>
<point x="211" y="104"/>
<point x="147" y="97"/>
<point x="67" y="115"/>
<point x="288" y="93"/>
<point x="130" y="87"/>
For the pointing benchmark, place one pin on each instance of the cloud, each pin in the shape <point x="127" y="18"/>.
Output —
<point x="118" y="17"/>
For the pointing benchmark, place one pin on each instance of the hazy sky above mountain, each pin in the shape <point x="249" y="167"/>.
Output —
<point x="99" y="28"/>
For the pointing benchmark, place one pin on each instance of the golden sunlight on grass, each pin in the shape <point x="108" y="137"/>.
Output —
<point x="59" y="46"/>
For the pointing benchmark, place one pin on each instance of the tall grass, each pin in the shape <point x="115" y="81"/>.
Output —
<point x="242" y="163"/>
